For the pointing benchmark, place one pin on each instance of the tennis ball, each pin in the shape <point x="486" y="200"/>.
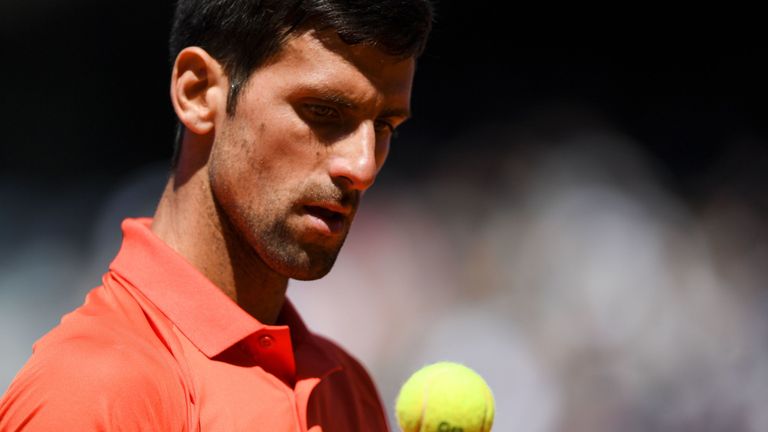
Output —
<point x="445" y="397"/>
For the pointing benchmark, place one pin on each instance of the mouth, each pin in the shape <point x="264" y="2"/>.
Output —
<point x="329" y="220"/>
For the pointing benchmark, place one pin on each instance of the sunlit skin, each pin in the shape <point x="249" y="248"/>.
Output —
<point x="269" y="192"/>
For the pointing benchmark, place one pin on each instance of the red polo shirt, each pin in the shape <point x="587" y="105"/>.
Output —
<point x="158" y="347"/>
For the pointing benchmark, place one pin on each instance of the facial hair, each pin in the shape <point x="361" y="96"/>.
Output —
<point x="275" y="240"/>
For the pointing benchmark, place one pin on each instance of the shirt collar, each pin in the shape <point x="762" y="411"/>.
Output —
<point x="198" y="308"/>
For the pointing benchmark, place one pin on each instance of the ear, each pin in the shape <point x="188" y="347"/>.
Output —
<point x="198" y="90"/>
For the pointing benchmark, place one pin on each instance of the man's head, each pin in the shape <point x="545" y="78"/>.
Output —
<point x="243" y="34"/>
<point x="288" y="109"/>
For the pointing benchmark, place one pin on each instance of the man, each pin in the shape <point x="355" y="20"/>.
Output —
<point x="286" y="110"/>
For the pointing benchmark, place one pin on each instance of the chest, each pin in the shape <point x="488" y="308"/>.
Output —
<point x="243" y="396"/>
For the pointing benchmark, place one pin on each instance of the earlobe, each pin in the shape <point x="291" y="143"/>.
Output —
<point x="198" y="90"/>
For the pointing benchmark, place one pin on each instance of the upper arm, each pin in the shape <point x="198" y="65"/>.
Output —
<point x="84" y="385"/>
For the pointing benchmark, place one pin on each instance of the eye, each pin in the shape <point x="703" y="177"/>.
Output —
<point x="385" y="126"/>
<point x="321" y="112"/>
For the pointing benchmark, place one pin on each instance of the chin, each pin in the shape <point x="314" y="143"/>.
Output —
<point x="308" y="273"/>
<point x="292" y="252"/>
<point x="305" y="265"/>
<point x="308" y="276"/>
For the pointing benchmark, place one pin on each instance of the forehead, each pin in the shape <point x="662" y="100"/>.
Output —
<point x="320" y="59"/>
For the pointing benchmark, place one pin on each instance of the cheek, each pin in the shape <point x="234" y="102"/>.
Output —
<point x="235" y="165"/>
<point x="268" y="152"/>
<point x="287" y="156"/>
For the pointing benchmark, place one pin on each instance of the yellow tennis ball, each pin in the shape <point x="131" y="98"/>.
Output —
<point x="445" y="397"/>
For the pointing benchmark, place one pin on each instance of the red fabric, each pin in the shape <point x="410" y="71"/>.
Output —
<point x="159" y="347"/>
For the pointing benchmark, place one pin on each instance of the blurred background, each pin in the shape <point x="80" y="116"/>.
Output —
<point x="577" y="210"/>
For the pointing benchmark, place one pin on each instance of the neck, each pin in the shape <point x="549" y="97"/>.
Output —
<point x="188" y="220"/>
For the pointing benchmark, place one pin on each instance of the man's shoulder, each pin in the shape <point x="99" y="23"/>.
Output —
<point x="109" y="321"/>
<point x="88" y="384"/>
<point x="100" y="362"/>
<point x="110" y="338"/>
<point x="99" y="365"/>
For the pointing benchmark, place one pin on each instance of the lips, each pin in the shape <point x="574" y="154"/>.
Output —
<point x="324" y="213"/>
<point x="327" y="218"/>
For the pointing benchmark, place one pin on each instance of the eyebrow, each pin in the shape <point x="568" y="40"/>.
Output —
<point x="340" y="99"/>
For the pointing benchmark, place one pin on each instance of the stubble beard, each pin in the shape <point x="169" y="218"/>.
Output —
<point x="276" y="245"/>
<point x="266" y="233"/>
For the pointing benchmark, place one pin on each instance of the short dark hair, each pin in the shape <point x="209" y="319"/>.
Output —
<point x="243" y="34"/>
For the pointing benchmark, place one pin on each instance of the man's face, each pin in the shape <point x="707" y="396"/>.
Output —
<point x="310" y="132"/>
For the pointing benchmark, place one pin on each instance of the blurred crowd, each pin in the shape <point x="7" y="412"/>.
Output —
<point x="549" y="253"/>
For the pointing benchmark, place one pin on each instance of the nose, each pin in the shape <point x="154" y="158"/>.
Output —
<point x="357" y="157"/>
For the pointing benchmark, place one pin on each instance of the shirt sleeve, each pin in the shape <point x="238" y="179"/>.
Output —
<point x="82" y="385"/>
